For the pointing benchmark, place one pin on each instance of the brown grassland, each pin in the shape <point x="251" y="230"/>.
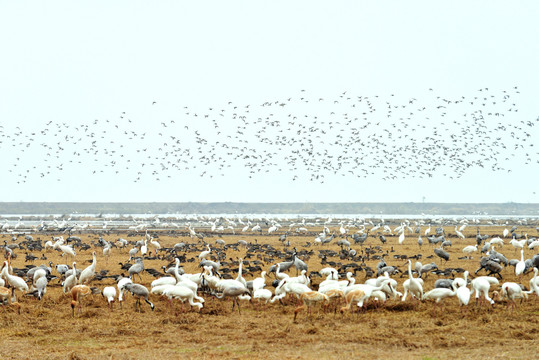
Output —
<point x="46" y="329"/>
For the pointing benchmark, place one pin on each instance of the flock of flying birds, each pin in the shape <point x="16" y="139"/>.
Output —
<point x="303" y="137"/>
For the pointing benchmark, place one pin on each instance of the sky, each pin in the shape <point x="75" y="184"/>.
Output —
<point x="250" y="101"/>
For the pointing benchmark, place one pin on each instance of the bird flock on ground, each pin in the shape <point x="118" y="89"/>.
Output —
<point x="334" y="285"/>
<point x="302" y="137"/>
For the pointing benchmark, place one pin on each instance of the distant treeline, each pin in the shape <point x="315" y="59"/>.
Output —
<point x="25" y="208"/>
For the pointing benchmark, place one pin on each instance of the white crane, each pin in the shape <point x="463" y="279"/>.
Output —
<point x="205" y="254"/>
<point x="17" y="283"/>
<point x="109" y="293"/>
<point x="468" y="250"/>
<point x="459" y="234"/>
<point x="414" y="286"/>
<point x="87" y="274"/>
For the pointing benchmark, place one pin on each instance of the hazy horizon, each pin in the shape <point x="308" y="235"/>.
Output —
<point x="281" y="102"/>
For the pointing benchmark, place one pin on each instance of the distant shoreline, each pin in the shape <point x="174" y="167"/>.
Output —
<point x="26" y="208"/>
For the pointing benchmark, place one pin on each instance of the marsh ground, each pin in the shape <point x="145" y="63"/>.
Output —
<point x="47" y="329"/>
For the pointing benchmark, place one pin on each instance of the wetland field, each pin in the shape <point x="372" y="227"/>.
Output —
<point x="46" y="328"/>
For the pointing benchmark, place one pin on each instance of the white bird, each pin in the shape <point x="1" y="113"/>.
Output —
<point x="185" y="281"/>
<point x="204" y="254"/>
<point x="518" y="244"/>
<point x="87" y="274"/>
<point x="122" y="282"/>
<point x="427" y="232"/>
<point x="260" y="283"/>
<point x="262" y="295"/>
<point x="496" y="241"/>
<point x="106" y="251"/>
<point x="17" y="283"/>
<point x="67" y="249"/>
<point x="279" y="275"/>
<point x="41" y="285"/>
<point x="463" y="292"/>
<point x="513" y="291"/>
<point x="505" y="233"/>
<point x="71" y="280"/>
<point x="48" y="245"/>
<point x="534" y="284"/>
<point x="133" y="252"/>
<point x="469" y="249"/>
<point x="438" y="294"/>
<point x="481" y="285"/>
<point x="521" y="265"/>
<point x="368" y="290"/>
<point x="342" y="230"/>
<point x="459" y="234"/>
<point x="533" y="244"/>
<point x="414" y="286"/>
<point x="166" y="280"/>
<point x="144" y="248"/>
<point x="182" y="293"/>
<point x="291" y="288"/>
<point x="109" y="293"/>
<point x="401" y="238"/>
<point x="155" y="244"/>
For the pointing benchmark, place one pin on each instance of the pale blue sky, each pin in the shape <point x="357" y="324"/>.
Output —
<point x="75" y="62"/>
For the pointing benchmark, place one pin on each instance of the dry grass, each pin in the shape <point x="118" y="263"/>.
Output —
<point x="47" y="330"/>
